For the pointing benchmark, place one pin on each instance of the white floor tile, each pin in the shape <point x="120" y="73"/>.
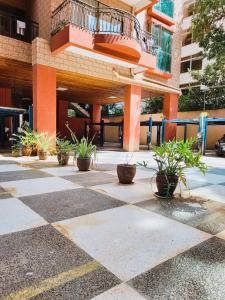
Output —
<point x="131" y="193"/>
<point x="16" y="216"/>
<point x="37" y="186"/>
<point x="129" y="240"/>
<point x="12" y="168"/>
<point x="212" y="192"/>
<point x="120" y="292"/>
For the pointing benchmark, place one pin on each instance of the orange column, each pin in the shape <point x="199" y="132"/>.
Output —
<point x="170" y="109"/>
<point x="96" y="116"/>
<point x="132" y="115"/>
<point x="44" y="99"/>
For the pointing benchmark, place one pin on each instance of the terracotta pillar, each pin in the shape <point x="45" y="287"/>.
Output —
<point x="170" y="110"/>
<point x="44" y="99"/>
<point x="132" y="114"/>
<point x="96" y="117"/>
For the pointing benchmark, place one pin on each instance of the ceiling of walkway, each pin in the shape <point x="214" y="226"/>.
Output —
<point x="76" y="88"/>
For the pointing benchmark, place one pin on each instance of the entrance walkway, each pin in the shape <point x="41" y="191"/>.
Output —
<point x="70" y="235"/>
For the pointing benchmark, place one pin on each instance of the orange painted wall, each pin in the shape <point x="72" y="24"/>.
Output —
<point x="170" y="111"/>
<point x="76" y="124"/>
<point x="44" y="98"/>
<point x="132" y="112"/>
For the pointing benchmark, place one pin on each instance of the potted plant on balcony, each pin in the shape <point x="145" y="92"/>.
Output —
<point x="44" y="142"/>
<point x="63" y="148"/>
<point x="84" y="150"/>
<point x="172" y="159"/>
<point x="126" y="172"/>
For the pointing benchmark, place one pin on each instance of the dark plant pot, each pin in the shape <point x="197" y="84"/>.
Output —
<point x="166" y="185"/>
<point x="126" y="173"/>
<point x="63" y="158"/>
<point x="16" y="153"/>
<point x="34" y="152"/>
<point x="84" y="164"/>
<point x="43" y="155"/>
<point x="26" y="151"/>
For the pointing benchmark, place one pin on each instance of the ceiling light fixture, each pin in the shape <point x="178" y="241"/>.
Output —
<point x="61" y="89"/>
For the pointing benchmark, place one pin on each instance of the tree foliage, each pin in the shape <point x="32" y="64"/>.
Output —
<point x="208" y="30"/>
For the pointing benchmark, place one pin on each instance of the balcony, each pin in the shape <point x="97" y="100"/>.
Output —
<point x="17" y="27"/>
<point x="81" y="28"/>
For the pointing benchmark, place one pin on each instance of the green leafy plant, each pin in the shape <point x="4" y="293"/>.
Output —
<point x="63" y="146"/>
<point x="83" y="148"/>
<point x="26" y="137"/>
<point x="174" y="157"/>
<point x="44" y="141"/>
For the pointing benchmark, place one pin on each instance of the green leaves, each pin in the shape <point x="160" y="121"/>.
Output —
<point x="83" y="148"/>
<point x="175" y="156"/>
<point x="208" y="30"/>
<point x="64" y="146"/>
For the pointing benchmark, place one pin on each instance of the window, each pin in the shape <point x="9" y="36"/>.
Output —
<point x="190" y="63"/>
<point x="164" y="40"/>
<point x="166" y="7"/>
<point x="187" y="40"/>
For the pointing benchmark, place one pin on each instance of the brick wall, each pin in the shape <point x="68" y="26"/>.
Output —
<point x="14" y="49"/>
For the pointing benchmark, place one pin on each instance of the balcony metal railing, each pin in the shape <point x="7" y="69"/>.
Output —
<point x="17" y="27"/>
<point x="101" y="19"/>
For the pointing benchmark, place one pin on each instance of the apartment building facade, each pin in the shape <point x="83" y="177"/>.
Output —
<point x="191" y="54"/>
<point x="54" y="53"/>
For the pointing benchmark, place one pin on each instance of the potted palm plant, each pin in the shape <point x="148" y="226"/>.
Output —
<point x="172" y="159"/>
<point x="63" y="148"/>
<point x="44" y="142"/>
<point x="26" y="138"/>
<point x="84" y="150"/>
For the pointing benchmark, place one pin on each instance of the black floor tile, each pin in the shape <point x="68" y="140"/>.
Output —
<point x="67" y="204"/>
<point x="31" y="256"/>
<point x="20" y="175"/>
<point x="208" y="216"/>
<point x="91" y="179"/>
<point x="195" y="274"/>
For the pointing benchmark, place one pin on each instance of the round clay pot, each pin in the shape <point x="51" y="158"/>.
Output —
<point x="63" y="158"/>
<point x="84" y="164"/>
<point x="166" y="185"/>
<point x="26" y="151"/>
<point x="34" y="152"/>
<point x="43" y="155"/>
<point x="16" y="153"/>
<point x="126" y="173"/>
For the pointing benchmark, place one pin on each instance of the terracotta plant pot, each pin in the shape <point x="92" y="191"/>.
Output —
<point x="166" y="185"/>
<point x="34" y="152"/>
<point x="16" y="153"/>
<point x="43" y="155"/>
<point x="126" y="173"/>
<point x="26" y="151"/>
<point x="63" y="158"/>
<point x="84" y="164"/>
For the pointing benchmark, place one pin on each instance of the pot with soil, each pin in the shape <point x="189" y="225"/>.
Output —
<point x="172" y="158"/>
<point x="166" y="185"/>
<point x="126" y="173"/>
<point x="43" y="155"/>
<point x="63" y="158"/>
<point x="63" y="148"/>
<point x="84" y="164"/>
<point x="26" y="151"/>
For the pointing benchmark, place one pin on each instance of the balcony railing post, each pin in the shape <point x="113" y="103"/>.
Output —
<point x="100" y="19"/>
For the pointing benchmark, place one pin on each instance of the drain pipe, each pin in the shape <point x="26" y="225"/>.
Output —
<point x="151" y="85"/>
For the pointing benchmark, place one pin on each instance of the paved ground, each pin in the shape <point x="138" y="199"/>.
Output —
<point x="70" y="235"/>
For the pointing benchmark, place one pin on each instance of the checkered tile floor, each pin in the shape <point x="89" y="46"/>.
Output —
<point x="70" y="235"/>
